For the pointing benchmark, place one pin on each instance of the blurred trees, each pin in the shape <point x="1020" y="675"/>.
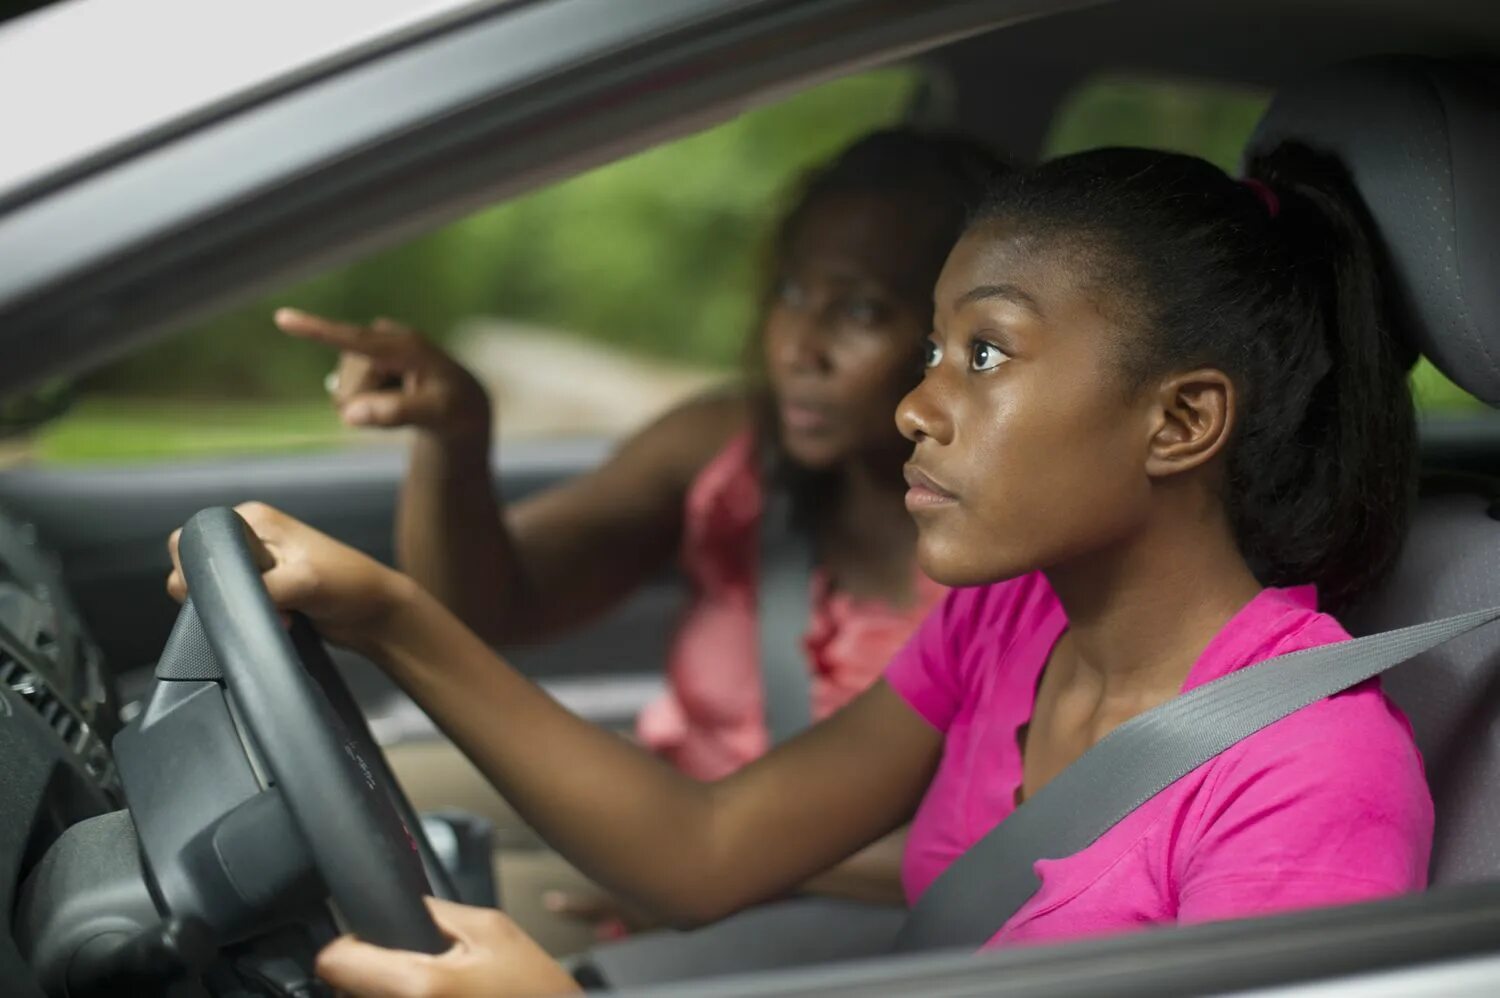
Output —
<point x="659" y="253"/>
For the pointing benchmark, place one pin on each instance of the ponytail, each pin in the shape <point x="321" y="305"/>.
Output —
<point x="1357" y="440"/>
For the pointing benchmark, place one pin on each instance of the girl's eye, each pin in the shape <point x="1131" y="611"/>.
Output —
<point x="932" y="354"/>
<point x="985" y="356"/>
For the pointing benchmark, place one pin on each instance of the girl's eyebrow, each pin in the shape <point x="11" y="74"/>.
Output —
<point x="1002" y="292"/>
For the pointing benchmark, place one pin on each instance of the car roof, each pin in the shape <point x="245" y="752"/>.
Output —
<point x="116" y="72"/>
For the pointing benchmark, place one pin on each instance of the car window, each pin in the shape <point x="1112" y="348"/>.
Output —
<point x="586" y="307"/>
<point x="1211" y="120"/>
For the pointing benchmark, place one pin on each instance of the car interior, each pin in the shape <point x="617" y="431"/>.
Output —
<point x="145" y="845"/>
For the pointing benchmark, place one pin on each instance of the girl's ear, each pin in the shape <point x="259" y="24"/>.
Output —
<point x="1193" y="415"/>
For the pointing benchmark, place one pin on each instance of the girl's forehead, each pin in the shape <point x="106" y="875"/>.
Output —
<point x="999" y="253"/>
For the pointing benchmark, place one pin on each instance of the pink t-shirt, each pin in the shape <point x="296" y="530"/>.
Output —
<point x="1326" y="806"/>
<point x="712" y="719"/>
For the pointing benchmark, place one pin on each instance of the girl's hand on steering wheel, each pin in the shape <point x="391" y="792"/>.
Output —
<point x="490" y="956"/>
<point x="390" y="375"/>
<point x="346" y="594"/>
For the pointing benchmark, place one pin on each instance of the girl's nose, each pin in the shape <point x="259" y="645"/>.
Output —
<point x="923" y="413"/>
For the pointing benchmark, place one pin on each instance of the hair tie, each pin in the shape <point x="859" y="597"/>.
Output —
<point x="1267" y="196"/>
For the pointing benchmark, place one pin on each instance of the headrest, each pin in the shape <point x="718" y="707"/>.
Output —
<point x="1422" y="140"/>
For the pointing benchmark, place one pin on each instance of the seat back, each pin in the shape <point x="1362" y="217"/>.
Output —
<point x="1421" y="138"/>
<point x="1451" y="563"/>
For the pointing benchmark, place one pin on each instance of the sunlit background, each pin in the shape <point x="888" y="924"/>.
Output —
<point x="590" y="304"/>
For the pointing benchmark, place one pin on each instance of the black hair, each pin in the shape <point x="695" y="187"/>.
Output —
<point x="943" y="177"/>
<point x="1281" y="284"/>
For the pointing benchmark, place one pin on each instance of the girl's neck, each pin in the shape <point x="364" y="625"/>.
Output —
<point x="1141" y="613"/>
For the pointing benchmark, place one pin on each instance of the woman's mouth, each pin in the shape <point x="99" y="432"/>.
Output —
<point x="923" y="492"/>
<point x="802" y="418"/>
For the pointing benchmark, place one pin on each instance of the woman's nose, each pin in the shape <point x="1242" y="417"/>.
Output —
<point x="798" y="344"/>
<point x="923" y="413"/>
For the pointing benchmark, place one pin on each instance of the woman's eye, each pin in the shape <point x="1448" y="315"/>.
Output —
<point x="932" y="354"/>
<point x="863" y="311"/>
<point x="789" y="292"/>
<point x="985" y="356"/>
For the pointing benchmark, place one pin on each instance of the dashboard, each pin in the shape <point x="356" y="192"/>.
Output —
<point x="56" y="717"/>
<point x="47" y="660"/>
<point x="207" y="879"/>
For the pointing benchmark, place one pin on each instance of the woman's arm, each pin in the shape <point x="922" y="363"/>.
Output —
<point x="554" y="560"/>
<point x="557" y="559"/>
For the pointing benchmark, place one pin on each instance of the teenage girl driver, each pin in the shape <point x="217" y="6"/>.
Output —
<point x="848" y="306"/>
<point x="1164" y="419"/>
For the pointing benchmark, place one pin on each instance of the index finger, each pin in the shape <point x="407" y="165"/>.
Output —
<point x="342" y="335"/>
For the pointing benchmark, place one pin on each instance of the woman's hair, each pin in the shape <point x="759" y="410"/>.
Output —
<point x="943" y="178"/>
<point x="1280" y="283"/>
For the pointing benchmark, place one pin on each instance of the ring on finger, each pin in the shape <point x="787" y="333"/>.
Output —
<point x="331" y="382"/>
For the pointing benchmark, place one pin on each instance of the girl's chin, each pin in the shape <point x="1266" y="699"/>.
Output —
<point x="949" y="563"/>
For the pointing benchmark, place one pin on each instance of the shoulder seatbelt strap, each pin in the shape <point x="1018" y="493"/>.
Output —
<point x="989" y="883"/>
<point x="784" y="592"/>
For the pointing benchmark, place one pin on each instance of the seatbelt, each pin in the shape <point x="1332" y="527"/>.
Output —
<point x="983" y="888"/>
<point x="784" y="594"/>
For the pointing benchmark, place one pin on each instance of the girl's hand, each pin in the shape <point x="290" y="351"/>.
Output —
<point x="390" y="375"/>
<point x="347" y="595"/>
<point x="490" y="957"/>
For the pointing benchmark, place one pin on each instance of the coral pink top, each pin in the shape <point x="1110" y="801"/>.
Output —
<point x="712" y="719"/>
<point x="1326" y="806"/>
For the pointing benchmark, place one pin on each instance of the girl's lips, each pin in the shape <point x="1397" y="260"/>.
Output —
<point x="923" y="492"/>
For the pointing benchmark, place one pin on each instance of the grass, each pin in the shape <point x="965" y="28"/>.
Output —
<point x="113" y="430"/>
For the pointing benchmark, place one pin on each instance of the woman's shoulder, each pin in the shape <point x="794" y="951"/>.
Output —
<point x="700" y="430"/>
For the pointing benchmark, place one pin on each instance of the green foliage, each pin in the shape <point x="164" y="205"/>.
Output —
<point x="1208" y="120"/>
<point x="124" y="430"/>
<point x="1436" y="394"/>
<point x="657" y="253"/>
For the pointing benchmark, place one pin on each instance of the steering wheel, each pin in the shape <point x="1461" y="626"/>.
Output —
<point x="364" y="838"/>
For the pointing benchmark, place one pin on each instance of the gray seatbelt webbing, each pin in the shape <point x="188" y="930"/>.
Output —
<point x="784" y="591"/>
<point x="990" y="882"/>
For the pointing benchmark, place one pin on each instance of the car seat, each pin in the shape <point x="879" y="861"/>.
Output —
<point x="1422" y="140"/>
